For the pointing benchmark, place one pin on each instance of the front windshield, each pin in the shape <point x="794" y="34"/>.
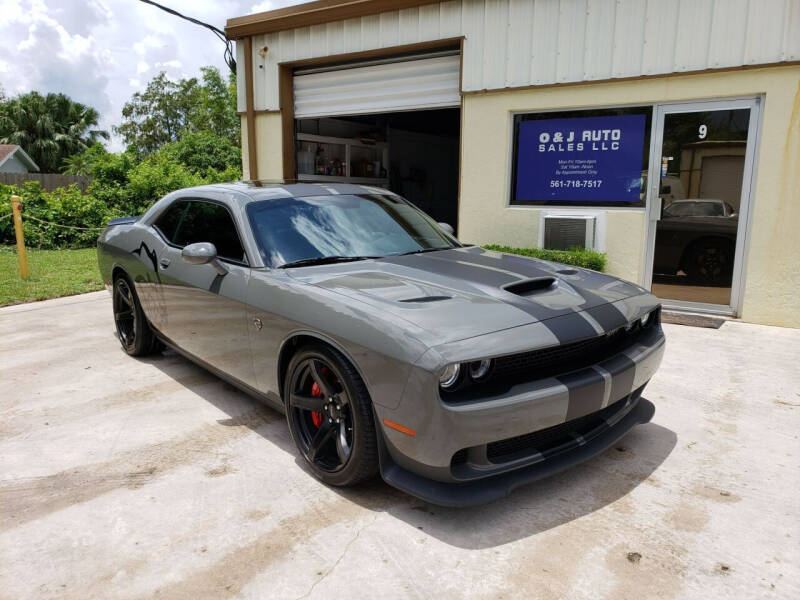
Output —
<point x="293" y="229"/>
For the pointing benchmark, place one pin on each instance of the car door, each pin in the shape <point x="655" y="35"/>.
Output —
<point x="206" y="311"/>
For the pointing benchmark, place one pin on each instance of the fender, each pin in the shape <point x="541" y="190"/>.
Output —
<point x="323" y="338"/>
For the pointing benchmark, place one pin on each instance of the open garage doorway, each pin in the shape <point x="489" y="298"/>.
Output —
<point x="414" y="154"/>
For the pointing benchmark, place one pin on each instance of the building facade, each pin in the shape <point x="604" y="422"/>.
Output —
<point x="665" y="134"/>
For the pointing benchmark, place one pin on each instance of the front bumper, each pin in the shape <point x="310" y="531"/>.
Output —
<point x="481" y="491"/>
<point x="453" y="457"/>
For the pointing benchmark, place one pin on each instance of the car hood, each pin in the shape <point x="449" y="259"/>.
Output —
<point x="465" y="292"/>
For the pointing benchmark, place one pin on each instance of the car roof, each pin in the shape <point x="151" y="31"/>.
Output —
<point x="253" y="191"/>
<point x="687" y="200"/>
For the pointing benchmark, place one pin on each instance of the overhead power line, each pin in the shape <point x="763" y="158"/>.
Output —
<point x="230" y="60"/>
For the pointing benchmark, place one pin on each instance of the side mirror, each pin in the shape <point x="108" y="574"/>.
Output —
<point x="448" y="228"/>
<point x="203" y="253"/>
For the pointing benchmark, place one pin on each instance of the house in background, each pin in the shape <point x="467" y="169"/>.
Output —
<point x="13" y="159"/>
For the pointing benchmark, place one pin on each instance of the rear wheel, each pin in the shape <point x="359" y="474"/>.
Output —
<point x="133" y="331"/>
<point x="710" y="262"/>
<point x="330" y="416"/>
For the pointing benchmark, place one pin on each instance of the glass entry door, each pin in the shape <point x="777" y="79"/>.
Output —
<point x="698" y="202"/>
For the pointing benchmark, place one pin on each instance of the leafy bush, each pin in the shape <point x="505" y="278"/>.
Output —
<point x="577" y="257"/>
<point x="65" y="206"/>
<point x="202" y="152"/>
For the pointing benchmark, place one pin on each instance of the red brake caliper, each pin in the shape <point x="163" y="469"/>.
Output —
<point x="316" y="417"/>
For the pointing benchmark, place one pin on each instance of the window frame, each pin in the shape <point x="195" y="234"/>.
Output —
<point x="188" y="200"/>
<point x="517" y="116"/>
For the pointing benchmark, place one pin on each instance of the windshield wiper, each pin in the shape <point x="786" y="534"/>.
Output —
<point x="423" y="250"/>
<point x="322" y="260"/>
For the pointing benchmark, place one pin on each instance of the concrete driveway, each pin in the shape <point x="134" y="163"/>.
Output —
<point x="126" y="478"/>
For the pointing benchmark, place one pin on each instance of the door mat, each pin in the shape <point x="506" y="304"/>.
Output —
<point x="691" y="320"/>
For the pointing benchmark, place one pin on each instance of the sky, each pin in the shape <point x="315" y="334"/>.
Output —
<point x="99" y="52"/>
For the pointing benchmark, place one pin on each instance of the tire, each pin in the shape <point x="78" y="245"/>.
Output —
<point x="334" y="431"/>
<point x="710" y="262"/>
<point x="133" y="331"/>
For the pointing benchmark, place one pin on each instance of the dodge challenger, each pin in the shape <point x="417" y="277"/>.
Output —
<point x="455" y="372"/>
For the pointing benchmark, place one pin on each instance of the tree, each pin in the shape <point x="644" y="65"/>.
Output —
<point x="167" y="109"/>
<point x="49" y="128"/>
<point x="215" y="110"/>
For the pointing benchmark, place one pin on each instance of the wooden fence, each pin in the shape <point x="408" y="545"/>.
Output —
<point x="49" y="181"/>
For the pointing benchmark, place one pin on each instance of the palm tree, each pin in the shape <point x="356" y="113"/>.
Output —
<point x="49" y="128"/>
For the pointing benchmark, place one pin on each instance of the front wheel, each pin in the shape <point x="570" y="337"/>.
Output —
<point x="330" y="416"/>
<point x="133" y="331"/>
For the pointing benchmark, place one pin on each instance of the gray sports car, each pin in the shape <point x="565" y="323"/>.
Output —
<point x="456" y="372"/>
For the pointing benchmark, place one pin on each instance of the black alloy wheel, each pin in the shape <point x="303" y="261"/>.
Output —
<point x="711" y="263"/>
<point x="133" y="331"/>
<point x="125" y="313"/>
<point x="330" y="416"/>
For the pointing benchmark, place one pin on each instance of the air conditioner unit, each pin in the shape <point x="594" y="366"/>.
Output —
<point x="562" y="232"/>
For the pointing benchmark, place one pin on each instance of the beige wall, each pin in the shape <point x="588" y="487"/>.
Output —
<point x="772" y="276"/>
<point x="268" y="145"/>
<point x="772" y="261"/>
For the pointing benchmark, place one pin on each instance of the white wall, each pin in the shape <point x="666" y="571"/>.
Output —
<point x="514" y="43"/>
<point x="13" y="165"/>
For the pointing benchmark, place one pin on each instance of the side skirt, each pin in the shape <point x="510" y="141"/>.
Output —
<point x="270" y="399"/>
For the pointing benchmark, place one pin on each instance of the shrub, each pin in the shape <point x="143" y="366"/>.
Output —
<point x="577" y="257"/>
<point x="157" y="176"/>
<point x="203" y="152"/>
<point x="65" y="206"/>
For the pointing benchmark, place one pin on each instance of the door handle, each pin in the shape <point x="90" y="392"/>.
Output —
<point x="164" y="263"/>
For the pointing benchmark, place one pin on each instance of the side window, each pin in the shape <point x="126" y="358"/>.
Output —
<point x="169" y="220"/>
<point x="210" y="222"/>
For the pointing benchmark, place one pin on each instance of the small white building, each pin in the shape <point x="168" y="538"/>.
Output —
<point x="13" y="159"/>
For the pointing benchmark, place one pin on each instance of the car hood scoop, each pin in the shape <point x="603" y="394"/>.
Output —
<point x="468" y="291"/>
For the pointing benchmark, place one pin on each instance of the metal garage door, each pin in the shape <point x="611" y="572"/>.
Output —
<point x="388" y="85"/>
<point x="721" y="178"/>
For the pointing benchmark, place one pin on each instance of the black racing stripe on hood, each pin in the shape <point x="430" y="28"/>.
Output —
<point x="570" y="328"/>
<point x="607" y="315"/>
<point x="488" y="280"/>
<point x="527" y="267"/>
<point x="451" y="267"/>
<point x="524" y="266"/>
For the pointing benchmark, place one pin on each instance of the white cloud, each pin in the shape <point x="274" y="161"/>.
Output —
<point x="174" y="64"/>
<point x="100" y="52"/>
<point x="262" y="7"/>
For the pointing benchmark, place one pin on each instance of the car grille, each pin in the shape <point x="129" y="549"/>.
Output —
<point x="511" y="370"/>
<point x="555" y="439"/>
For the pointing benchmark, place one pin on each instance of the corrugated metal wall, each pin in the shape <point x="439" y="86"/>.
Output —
<point x="511" y="43"/>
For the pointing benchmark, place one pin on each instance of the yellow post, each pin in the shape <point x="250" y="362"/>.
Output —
<point x="16" y="209"/>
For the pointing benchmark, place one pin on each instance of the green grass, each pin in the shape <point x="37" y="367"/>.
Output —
<point x="53" y="273"/>
<point x="579" y="257"/>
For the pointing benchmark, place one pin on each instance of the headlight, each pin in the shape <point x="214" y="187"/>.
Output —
<point x="479" y="369"/>
<point x="645" y="319"/>
<point x="450" y="375"/>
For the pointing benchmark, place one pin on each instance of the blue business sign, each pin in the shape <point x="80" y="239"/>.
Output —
<point x="580" y="160"/>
